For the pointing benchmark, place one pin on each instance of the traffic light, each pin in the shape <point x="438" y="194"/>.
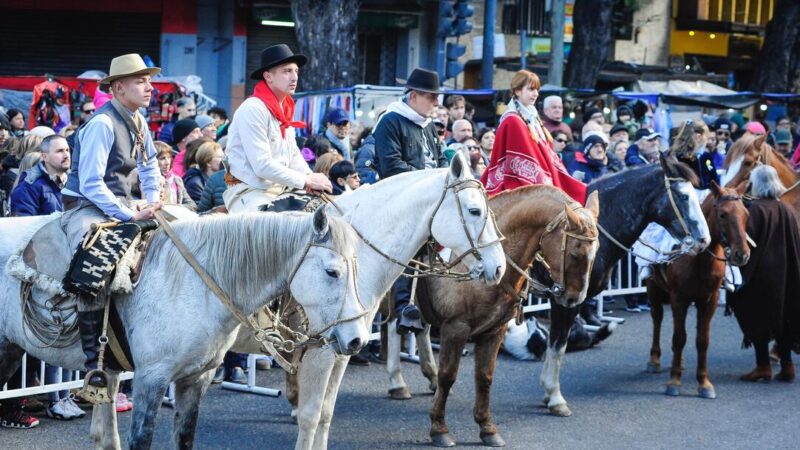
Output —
<point x="452" y="66"/>
<point x="453" y="17"/>
<point x="463" y="12"/>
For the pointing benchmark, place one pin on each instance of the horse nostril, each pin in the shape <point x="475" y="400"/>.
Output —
<point x="354" y="345"/>
<point x="498" y="272"/>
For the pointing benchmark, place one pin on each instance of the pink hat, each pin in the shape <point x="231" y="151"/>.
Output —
<point x="755" y="128"/>
<point x="100" y="98"/>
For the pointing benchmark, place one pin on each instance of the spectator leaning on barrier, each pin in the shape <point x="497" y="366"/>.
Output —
<point x="553" y="115"/>
<point x="337" y="131"/>
<point x="38" y="190"/>
<point x="406" y="140"/>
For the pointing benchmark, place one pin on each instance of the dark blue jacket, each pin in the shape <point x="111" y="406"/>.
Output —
<point x="365" y="161"/>
<point x="195" y="183"/>
<point x="36" y="194"/>
<point x="633" y="158"/>
<point x="704" y="167"/>
<point x="212" y="194"/>
<point x="591" y="169"/>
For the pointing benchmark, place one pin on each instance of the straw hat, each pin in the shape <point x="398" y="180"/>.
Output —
<point x="127" y="66"/>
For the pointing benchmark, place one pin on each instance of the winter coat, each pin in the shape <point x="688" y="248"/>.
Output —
<point x="365" y="161"/>
<point x="399" y="145"/>
<point x="633" y="158"/>
<point x="591" y="168"/>
<point x="212" y="194"/>
<point x="195" y="182"/>
<point x="704" y="167"/>
<point x="36" y="194"/>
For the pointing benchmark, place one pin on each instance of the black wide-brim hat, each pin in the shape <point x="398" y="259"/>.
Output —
<point x="275" y="55"/>
<point x="423" y="80"/>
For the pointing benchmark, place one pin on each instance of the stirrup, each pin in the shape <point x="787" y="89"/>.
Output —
<point x="96" y="395"/>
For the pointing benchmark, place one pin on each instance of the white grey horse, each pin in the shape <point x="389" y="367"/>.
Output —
<point x="178" y="330"/>
<point x="397" y="215"/>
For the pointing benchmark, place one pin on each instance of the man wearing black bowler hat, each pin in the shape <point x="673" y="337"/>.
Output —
<point x="406" y="140"/>
<point x="262" y="154"/>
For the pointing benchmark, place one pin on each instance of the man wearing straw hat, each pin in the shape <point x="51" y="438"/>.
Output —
<point x="263" y="157"/>
<point x="107" y="148"/>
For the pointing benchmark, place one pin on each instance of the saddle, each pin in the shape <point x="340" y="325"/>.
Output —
<point x="293" y="201"/>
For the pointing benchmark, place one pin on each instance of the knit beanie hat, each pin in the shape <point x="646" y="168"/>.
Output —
<point x="182" y="129"/>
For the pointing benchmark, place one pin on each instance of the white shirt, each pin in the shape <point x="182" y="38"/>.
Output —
<point x="258" y="155"/>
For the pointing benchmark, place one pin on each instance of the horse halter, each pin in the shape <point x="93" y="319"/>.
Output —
<point x="458" y="186"/>
<point x="688" y="240"/>
<point x="723" y="238"/>
<point x="558" y="288"/>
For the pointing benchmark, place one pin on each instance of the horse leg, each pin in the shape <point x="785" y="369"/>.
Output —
<point x="705" y="312"/>
<point x="427" y="362"/>
<point x="148" y="393"/>
<point x="398" y="390"/>
<point x="313" y="376"/>
<point x="679" y="309"/>
<point x="561" y="320"/>
<point x="188" y="393"/>
<point x="104" y="428"/>
<point x="657" y="299"/>
<point x="452" y="341"/>
<point x="329" y="402"/>
<point x="292" y="392"/>
<point x="486" y="349"/>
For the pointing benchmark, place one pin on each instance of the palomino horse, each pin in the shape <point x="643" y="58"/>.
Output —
<point x="178" y="330"/>
<point x="395" y="218"/>
<point x="541" y="224"/>
<point x="747" y="153"/>
<point x="698" y="279"/>
<point x="629" y="201"/>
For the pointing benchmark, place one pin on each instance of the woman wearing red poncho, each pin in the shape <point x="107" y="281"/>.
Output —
<point x="523" y="149"/>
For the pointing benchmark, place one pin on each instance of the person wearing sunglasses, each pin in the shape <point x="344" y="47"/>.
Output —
<point x="87" y="110"/>
<point x="344" y="176"/>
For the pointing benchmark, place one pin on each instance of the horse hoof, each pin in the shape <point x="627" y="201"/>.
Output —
<point x="545" y="401"/>
<point x="708" y="393"/>
<point x="560" y="410"/>
<point x="400" y="393"/>
<point x="294" y="415"/>
<point x="673" y="390"/>
<point x="442" y="440"/>
<point x="653" y="368"/>
<point x="432" y="387"/>
<point x="493" y="440"/>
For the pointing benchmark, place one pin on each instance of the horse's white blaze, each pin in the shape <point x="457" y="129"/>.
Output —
<point x="732" y="171"/>
<point x="585" y="279"/>
<point x="694" y="212"/>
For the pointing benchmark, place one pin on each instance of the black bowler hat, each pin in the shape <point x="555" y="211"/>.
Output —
<point x="276" y="55"/>
<point x="424" y="80"/>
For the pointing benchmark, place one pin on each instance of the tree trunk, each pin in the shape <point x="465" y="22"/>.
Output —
<point x="326" y="31"/>
<point x="773" y="66"/>
<point x="590" y="42"/>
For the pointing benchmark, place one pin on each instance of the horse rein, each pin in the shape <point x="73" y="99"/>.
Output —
<point x="269" y="337"/>
<point x="436" y="266"/>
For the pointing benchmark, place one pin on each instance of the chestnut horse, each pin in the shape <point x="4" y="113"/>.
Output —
<point x="698" y="279"/>
<point x="543" y="225"/>
<point x="747" y="153"/>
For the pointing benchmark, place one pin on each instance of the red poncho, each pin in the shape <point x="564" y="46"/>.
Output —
<point x="520" y="158"/>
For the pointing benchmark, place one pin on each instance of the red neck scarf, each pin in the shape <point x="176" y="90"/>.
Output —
<point x="284" y="113"/>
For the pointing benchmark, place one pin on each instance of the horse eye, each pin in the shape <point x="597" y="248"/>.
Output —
<point x="684" y="197"/>
<point x="475" y="212"/>
<point x="723" y="216"/>
<point x="332" y="273"/>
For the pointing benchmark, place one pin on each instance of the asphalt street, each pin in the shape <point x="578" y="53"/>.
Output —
<point x="615" y="405"/>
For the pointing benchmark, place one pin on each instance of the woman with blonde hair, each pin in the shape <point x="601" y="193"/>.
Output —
<point x="208" y="160"/>
<point x="523" y="151"/>
<point x="326" y="161"/>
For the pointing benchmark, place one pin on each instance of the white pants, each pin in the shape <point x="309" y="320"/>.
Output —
<point x="241" y="198"/>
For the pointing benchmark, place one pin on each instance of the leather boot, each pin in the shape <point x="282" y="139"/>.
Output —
<point x="408" y="316"/>
<point x="761" y="372"/>
<point x="588" y="315"/>
<point x="787" y="373"/>
<point x="90" y="325"/>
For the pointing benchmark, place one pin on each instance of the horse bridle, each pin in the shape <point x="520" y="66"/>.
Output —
<point x="436" y="266"/>
<point x="687" y="239"/>
<point x="269" y="337"/>
<point x="723" y="238"/>
<point x="558" y="288"/>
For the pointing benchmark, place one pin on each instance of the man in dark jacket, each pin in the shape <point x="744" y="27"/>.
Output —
<point x="644" y="149"/>
<point x="406" y="140"/>
<point x="39" y="189"/>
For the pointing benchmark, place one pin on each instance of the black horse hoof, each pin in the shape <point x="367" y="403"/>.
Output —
<point x="493" y="440"/>
<point x="442" y="440"/>
<point x="653" y="368"/>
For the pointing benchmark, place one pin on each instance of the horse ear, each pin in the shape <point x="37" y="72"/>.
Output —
<point x="759" y="141"/>
<point x="715" y="189"/>
<point x="664" y="164"/>
<point x="572" y="216"/>
<point x="593" y="204"/>
<point x="458" y="166"/>
<point x="321" y="225"/>
<point x="742" y="187"/>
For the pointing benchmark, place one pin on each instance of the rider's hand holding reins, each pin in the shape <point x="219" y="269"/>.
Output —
<point x="317" y="183"/>
<point x="147" y="212"/>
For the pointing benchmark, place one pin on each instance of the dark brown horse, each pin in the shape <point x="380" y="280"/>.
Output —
<point x="542" y="224"/>
<point x="697" y="279"/>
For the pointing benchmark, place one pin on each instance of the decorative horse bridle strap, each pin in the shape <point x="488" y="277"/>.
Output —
<point x="270" y="338"/>
<point x="675" y="209"/>
<point x="418" y="269"/>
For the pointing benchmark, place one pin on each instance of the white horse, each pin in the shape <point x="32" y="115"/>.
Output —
<point x="397" y="215"/>
<point x="178" y="330"/>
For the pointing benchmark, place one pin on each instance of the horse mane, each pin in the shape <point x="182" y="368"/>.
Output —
<point x="686" y="173"/>
<point x="269" y="243"/>
<point x="629" y="177"/>
<point x="738" y="149"/>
